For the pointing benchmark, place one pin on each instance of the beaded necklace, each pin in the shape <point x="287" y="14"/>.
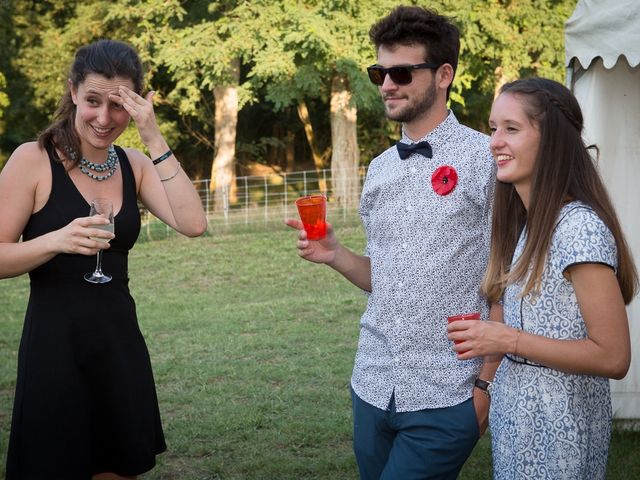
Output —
<point x="109" y="166"/>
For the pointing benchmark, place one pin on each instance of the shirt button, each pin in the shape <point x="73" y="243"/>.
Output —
<point x="404" y="245"/>
<point x="408" y="208"/>
<point x="396" y="359"/>
<point x="400" y="284"/>
<point x="412" y="169"/>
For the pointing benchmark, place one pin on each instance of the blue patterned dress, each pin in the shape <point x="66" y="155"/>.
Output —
<point x="547" y="424"/>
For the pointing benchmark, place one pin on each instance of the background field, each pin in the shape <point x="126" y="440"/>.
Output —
<point x="252" y="351"/>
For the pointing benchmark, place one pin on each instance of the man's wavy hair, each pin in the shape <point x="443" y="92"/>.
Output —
<point x="420" y="26"/>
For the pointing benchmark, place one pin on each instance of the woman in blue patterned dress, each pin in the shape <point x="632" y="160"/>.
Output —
<point x="563" y="272"/>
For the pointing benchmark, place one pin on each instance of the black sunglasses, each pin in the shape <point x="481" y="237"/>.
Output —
<point x="400" y="75"/>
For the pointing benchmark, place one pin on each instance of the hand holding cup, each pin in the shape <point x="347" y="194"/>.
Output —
<point x="313" y="212"/>
<point x="463" y="316"/>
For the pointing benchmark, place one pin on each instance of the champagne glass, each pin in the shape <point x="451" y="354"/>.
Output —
<point x="104" y="208"/>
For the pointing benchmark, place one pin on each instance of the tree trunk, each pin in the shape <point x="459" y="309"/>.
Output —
<point x="290" y="150"/>
<point x="318" y="161"/>
<point x="501" y="79"/>
<point x="345" y="157"/>
<point x="223" y="172"/>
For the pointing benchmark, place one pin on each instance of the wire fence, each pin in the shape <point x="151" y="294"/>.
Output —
<point x="265" y="199"/>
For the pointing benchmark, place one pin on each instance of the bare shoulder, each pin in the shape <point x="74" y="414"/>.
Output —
<point x="25" y="182"/>
<point x="28" y="161"/>
<point x="29" y="151"/>
<point x="135" y="155"/>
<point x="138" y="161"/>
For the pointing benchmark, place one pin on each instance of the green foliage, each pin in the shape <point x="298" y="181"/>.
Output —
<point x="46" y="38"/>
<point x="289" y="51"/>
<point x="131" y="138"/>
<point x="22" y="28"/>
<point x="310" y="42"/>
<point x="4" y="103"/>
<point x="503" y="40"/>
<point x="4" y="98"/>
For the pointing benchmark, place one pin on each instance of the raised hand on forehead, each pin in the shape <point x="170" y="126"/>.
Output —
<point x="141" y="111"/>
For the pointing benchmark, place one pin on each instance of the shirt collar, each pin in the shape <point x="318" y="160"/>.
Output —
<point x="439" y="136"/>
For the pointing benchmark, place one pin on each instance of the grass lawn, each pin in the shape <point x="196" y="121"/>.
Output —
<point x="252" y="350"/>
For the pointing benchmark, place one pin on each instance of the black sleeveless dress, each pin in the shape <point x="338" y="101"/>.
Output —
<point x="85" y="398"/>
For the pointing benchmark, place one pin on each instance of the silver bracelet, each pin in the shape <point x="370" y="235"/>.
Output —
<point x="172" y="176"/>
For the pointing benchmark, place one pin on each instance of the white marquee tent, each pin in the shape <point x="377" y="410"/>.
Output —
<point x="602" y="46"/>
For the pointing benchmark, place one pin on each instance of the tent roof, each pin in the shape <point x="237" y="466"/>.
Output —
<point x="603" y="28"/>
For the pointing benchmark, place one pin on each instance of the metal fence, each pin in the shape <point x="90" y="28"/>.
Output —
<point x="263" y="199"/>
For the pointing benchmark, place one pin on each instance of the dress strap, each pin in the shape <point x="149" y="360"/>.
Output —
<point x="128" y="178"/>
<point x="58" y="173"/>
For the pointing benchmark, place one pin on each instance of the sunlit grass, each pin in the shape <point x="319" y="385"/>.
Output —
<point x="252" y="350"/>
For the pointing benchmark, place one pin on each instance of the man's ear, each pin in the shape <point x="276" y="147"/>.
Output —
<point x="444" y="76"/>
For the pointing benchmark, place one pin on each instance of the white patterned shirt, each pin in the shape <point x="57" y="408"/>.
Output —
<point x="428" y="255"/>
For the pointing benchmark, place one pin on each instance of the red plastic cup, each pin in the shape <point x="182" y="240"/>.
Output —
<point x="463" y="316"/>
<point x="313" y="211"/>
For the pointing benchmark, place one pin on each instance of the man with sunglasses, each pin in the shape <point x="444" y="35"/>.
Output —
<point x="426" y="209"/>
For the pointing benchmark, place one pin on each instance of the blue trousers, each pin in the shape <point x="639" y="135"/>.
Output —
<point x="427" y="444"/>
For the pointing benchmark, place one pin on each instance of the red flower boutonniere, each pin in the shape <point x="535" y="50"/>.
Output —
<point x="444" y="179"/>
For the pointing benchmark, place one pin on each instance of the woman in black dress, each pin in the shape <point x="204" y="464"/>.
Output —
<point x="85" y="404"/>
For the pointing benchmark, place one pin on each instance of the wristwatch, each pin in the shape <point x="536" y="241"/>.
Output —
<point x="484" y="386"/>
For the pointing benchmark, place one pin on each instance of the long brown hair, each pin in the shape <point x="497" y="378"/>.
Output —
<point x="109" y="58"/>
<point x="563" y="170"/>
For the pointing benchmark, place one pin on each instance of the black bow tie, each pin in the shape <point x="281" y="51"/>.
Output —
<point x="405" y="150"/>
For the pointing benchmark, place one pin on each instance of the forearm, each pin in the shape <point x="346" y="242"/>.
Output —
<point x="184" y="201"/>
<point x="22" y="257"/>
<point x="491" y="362"/>
<point x="489" y="366"/>
<point x="583" y="356"/>
<point x="355" y="268"/>
<point x="185" y="204"/>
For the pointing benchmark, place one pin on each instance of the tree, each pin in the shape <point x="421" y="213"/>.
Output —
<point x="205" y="54"/>
<point x="280" y="57"/>
<point x="503" y="40"/>
<point x="223" y="173"/>
<point x="316" y="50"/>
<point x="4" y="103"/>
<point x="25" y="109"/>
<point x="43" y="38"/>
<point x="5" y="19"/>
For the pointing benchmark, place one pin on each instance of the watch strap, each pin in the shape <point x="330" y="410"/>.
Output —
<point x="482" y="384"/>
